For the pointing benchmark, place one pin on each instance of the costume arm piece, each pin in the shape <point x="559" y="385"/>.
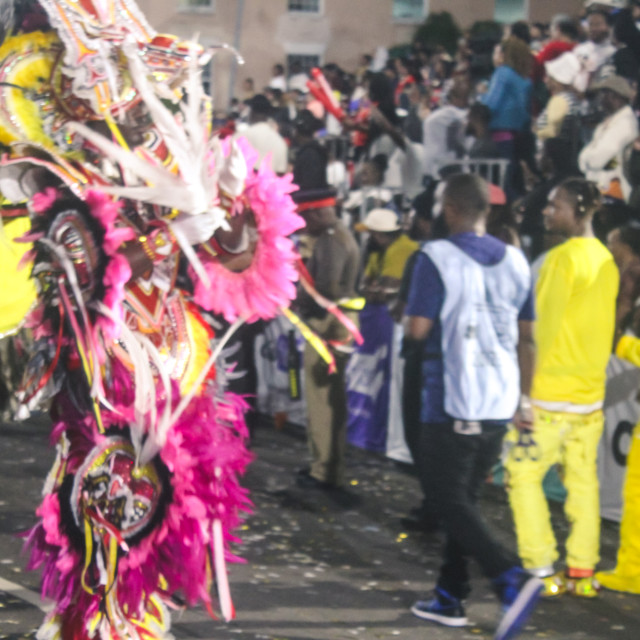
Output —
<point x="234" y="247"/>
<point x="149" y="249"/>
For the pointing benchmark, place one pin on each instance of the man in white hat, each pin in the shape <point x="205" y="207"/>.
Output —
<point x="602" y="159"/>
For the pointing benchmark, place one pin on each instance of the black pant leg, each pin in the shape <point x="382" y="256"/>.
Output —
<point x="411" y="393"/>
<point x="454" y="468"/>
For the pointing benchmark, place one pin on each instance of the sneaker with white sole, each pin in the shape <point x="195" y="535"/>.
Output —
<point x="519" y="592"/>
<point x="443" y="609"/>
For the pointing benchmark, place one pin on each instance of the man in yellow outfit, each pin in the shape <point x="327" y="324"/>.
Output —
<point x="626" y="575"/>
<point x="575" y="307"/>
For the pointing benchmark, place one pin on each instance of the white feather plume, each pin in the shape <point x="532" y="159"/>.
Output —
<point x="194" y="189"/>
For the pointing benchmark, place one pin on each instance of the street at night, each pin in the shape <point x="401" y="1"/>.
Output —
<point x="319" y="566"/>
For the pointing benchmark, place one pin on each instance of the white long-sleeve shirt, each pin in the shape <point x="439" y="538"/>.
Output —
<point x="601" y="160"/>
<point x="438" y="129"/>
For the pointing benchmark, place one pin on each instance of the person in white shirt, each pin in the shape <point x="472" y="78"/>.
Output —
<point x="298" y="78"/>
<point x="602" y="159"/>
<point x="596" y="52"/>
<point x="278" y="79"/>
<point x="443" y="131"/>
<point x="263" y="135"/>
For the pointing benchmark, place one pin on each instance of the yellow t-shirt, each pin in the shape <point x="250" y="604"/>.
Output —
<point x="575" y="320"/>
<point x="390" y="263"/>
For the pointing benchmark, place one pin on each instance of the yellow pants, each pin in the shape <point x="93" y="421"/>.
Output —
<point x="626" y="575"/>
<point x="571" y="440"/>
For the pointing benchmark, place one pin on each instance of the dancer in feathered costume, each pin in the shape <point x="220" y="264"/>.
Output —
<point x="140" y="218"/>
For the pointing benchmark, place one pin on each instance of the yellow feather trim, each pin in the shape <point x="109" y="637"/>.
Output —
<point x="27" y="61"/>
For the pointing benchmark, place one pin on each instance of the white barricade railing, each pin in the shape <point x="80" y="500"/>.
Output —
<point x="493" y="170"/>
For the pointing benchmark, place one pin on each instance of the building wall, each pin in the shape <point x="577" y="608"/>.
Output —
<point x="342" y="33"/>
<point x="465" y="12"/>
<point x="544" y="10"/>
<point x="269" y="33"/>
<point x="218" y="26"/>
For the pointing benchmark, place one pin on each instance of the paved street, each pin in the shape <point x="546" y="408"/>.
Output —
<point x="317" y="568"/>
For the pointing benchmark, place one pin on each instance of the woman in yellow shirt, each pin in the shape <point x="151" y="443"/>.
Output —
<point x="385" y="265"/>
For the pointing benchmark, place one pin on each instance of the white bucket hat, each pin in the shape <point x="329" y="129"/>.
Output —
<point x="564" y="69"/>
<point x="384" y="220"/>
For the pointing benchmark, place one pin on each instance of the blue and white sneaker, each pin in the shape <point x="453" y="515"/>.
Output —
<point x="443" y="609"/>
<point x="519" y="592"/>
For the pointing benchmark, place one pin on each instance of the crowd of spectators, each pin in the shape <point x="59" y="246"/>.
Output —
<point x="549" y="123"/>
<point x="557" y="100"/>
<point x="550" y="126"/>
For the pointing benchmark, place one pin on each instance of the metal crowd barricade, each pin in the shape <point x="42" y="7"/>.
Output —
<point x="380" y="193"/>
<point x="338" y="147"/>
<point x="493" y="170"/>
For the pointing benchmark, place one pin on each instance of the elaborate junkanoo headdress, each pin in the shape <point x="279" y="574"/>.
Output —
<point x="108" y="150"/>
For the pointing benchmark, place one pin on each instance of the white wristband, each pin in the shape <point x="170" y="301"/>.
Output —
<point x="525" y="403"/>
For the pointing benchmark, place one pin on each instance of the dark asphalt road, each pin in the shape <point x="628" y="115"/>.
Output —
<point x="317" y="569"/>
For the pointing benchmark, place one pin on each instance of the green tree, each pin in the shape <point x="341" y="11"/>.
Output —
<point x="400" y="50"/>
<point x="489" y="29"/>
<point x="439" y="29"/>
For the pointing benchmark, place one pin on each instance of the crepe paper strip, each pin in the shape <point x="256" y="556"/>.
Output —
<point x="312" y="338"/>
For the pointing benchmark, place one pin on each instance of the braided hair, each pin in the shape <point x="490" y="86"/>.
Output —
<point x="584" y="195"/>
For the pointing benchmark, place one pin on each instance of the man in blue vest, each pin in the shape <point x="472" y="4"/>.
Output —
<point x="471" y="301"/>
